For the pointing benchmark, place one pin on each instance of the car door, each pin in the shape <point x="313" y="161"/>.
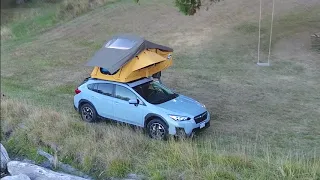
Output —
<point x="103" y="98"/>
<point x="129" y="113"/>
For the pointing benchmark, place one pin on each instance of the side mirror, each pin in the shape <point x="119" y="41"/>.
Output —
<point x="134" y="101"/>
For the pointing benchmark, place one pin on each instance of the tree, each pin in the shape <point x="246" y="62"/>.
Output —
<point x="189" y="7"/>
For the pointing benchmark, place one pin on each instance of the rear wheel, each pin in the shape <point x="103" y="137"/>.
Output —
<point x="157" y="129"/>
<point x="88" y="113"/>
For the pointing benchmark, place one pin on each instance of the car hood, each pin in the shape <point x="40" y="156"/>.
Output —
<point x="183" y="106"/>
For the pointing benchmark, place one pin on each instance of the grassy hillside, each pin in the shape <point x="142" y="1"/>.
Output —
<point x="106" y="149"/>
<point x="265" y="120"/>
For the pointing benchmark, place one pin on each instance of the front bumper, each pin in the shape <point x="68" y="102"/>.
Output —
<point x="188" y="128"/>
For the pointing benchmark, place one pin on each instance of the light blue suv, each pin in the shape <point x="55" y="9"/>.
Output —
<point x="145" y="103"/>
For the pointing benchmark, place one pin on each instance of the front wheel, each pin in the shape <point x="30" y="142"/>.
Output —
<point x="88" y="113"/>
<point x="157" y="129"/>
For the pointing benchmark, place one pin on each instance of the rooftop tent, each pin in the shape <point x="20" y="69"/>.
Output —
<point x="146" y="64"/>
<point x="120" y="49"/>
<point x="126" y="58"/>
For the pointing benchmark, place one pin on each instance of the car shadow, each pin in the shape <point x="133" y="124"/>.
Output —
<point x="105" y="121"/>
<point x="117" y="123"/>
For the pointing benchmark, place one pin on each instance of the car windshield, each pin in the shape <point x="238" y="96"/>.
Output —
<point x="155" y="93"/>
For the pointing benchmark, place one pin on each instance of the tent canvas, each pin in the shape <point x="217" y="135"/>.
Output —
<point x="120" y="49"/>
<point x="146" y="58"/>
<point x="145" y="64"/>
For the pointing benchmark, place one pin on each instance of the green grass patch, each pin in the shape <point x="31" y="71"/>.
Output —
<point x="250" y="28"/>
<point x="65" y="89"/>
<point x="119" y="167"/>
<point x="223" y="175"/>
<point x="20" y="146"/>
<point x="91" y="44"/>
<point x="41" y="21"/>
<point x="237" y="162"/>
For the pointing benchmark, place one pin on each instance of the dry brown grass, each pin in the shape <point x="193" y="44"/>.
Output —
<point x="12" y="115"/>
<point x="91" y="145"/>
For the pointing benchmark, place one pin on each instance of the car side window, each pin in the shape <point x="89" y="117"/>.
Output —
<point x="124" y="93"/>
<point x="105" y="89"/>
<point x="92" y="87"/>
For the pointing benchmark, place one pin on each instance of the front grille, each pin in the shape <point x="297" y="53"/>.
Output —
<point x="201" y="117"/>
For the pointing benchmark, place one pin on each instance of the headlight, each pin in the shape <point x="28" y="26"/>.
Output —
<point x="179" y="118"/>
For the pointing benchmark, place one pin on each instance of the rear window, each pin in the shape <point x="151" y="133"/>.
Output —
<point x="102" y="88"/>
<point x="105" y="89"/>
<point x="92" y="87"/>
<point x="121" y="44"/>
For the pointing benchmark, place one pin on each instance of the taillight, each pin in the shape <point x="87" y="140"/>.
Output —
<point x="77" y="91"/>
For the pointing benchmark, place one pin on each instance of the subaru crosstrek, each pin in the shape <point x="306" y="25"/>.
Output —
<point x="145" y="103"/>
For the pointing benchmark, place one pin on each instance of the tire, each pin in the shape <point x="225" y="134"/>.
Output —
<point x="88" y="113"/>
<point x="157" y="129"/>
